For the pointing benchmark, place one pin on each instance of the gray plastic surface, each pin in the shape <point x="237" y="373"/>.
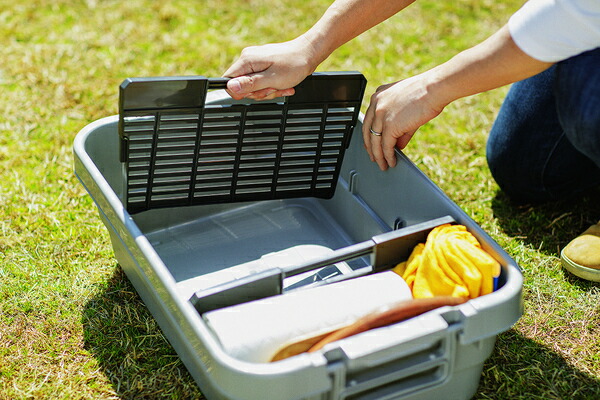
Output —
<point x="437" y="355"/>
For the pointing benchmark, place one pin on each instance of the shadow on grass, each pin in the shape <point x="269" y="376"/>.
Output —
<point x="140" y="363"/>
<point x="130" y="348"/>
<point x="521" y="368"/>
<point x="547" y="227"/>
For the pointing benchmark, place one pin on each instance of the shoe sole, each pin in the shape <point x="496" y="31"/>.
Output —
<point x="589" y="274"/>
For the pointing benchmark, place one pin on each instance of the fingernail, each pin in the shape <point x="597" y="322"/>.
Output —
<point x="234" y="85"/>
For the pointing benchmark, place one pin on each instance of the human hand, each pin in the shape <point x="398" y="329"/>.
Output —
<point x="272" y="70"/>
<point x="395" y="113"/>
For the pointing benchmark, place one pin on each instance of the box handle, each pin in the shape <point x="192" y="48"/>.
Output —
<point x="398" y="366"/>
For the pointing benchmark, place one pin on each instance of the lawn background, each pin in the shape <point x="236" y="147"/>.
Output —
<point x="71" y="325"/>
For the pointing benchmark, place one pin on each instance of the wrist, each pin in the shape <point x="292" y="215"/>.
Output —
<point x="438" y="89"/>
<point x="495" y="62"/>
<point x="316" y="49"/>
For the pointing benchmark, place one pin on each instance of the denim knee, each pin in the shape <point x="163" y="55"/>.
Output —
<point x="523" y="136"/>
<point x="544" y="144"/>
<point x="577" y="90"/>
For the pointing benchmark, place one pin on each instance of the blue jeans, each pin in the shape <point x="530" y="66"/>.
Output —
<point x="545" y="142"/>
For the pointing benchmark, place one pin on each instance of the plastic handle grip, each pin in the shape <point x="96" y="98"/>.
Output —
<point x="218" y="83"/>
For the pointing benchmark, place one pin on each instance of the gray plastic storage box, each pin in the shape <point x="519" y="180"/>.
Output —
<point x="192" y="243"/>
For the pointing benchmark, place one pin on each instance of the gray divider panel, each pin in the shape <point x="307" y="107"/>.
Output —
<point x="178" y="151"/>
<point x="385" y="250"/>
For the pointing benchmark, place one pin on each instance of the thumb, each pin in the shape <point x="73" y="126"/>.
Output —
<point x="403" y="140"/>
<point x="249" y="83"/>
<point x="246" y="76"/>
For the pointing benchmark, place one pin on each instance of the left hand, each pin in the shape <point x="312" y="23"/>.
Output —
<point x="396" y="111"/>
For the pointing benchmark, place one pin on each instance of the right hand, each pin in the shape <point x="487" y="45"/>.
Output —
<point x="396" y="111"/>
<point x="271" y="70"/>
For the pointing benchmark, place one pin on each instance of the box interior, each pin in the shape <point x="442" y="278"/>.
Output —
<point x="199" y="241"/>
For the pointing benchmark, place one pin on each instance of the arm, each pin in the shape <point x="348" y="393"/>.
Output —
<point x="272" y="70"/>
<point x="397" y="110"/>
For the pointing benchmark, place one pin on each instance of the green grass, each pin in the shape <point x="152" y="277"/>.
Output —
<point x="72" y="326"/>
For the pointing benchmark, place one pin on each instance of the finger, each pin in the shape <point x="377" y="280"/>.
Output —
<point x="368" y="121"/>
<point x="377" y="151"/>
<point x="383" y="87"/>
<point x="233" y="91"/>
<point x="372" y="131"/>
<point x="376" y="143"/>
<point x="239" y="68"/>
<point x="388" y="144"/>
<point x="366" y="133"/>
<point x="285" y="92"/>
<point x="270" y="94"/>
<point x="404" y="139"/>
<point x="252" y="84"/>
<point x="242" y="85"/>
<point x="261" y="94"/>
<point x="247" y="63"/>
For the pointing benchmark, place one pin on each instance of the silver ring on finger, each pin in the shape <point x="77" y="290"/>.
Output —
<point x="374" y="133"/>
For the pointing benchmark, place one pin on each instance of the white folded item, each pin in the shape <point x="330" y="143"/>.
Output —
<point x="257" y="330"/>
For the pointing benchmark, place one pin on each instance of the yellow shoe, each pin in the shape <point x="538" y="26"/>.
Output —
<point x="581" y="257"/>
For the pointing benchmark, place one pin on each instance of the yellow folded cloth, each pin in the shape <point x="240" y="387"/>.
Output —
<point x="450" y="263"/>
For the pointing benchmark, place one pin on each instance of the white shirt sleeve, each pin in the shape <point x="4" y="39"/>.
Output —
<point x="554" y="30"/>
